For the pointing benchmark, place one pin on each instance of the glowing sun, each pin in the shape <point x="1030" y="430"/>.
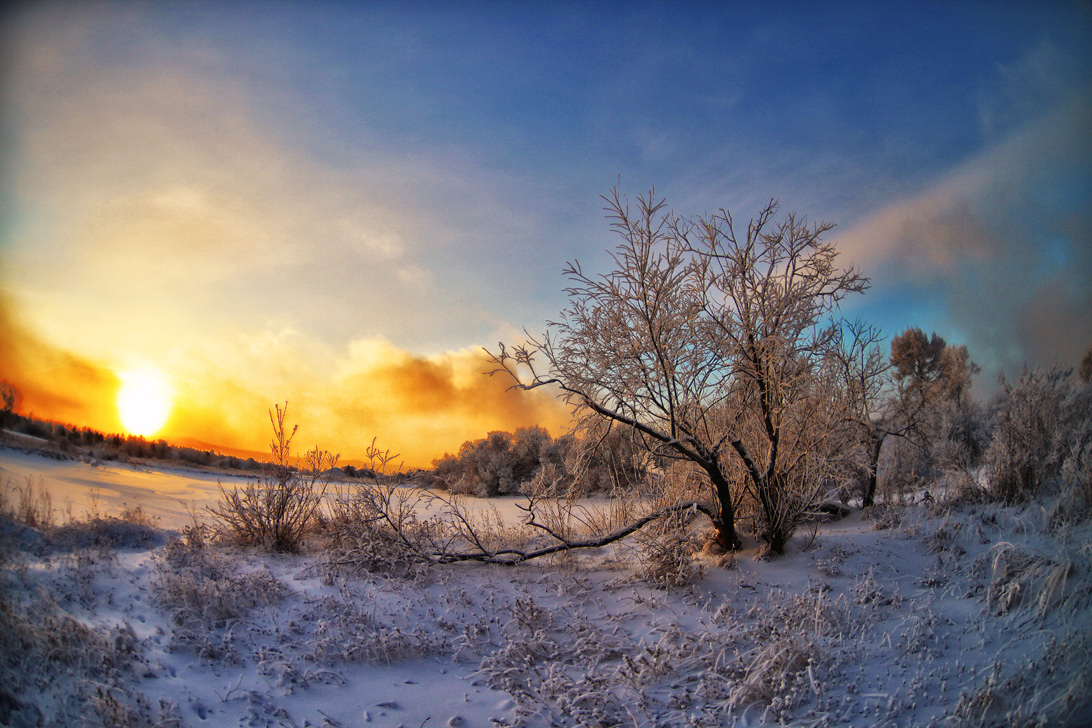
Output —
<point x="144" y="401"/>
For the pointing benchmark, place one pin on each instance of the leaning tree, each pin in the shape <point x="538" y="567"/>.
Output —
<point x="709" y="346"/>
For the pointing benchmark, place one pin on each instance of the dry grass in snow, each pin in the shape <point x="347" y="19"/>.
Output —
<point x="976" y="615"/>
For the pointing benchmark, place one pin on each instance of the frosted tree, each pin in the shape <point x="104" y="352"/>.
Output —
<point x="931" y="370"/>
<point x="709" y="347"/>
<point x="884" y="397"/>
<point x="10" y="400"/>
<point x="914" y="394"/>
<point x="863" y="379"/>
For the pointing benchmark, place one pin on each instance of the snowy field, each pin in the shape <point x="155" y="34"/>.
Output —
<point x="166" y="494"/>
<point x="914" y="616"/>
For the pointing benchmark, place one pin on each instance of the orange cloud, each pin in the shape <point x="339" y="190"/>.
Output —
<point x="417" y="406"/>
<point x="56" y="384"/>
<point x="423" y="406"/>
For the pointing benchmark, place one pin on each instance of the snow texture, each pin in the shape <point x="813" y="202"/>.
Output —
<point x="970" y="615"/>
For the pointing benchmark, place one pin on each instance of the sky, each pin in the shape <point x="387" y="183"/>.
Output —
<point x="339" y="204"/>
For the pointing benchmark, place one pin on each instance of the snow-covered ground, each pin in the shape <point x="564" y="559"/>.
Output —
<point x="970" y="615"/>
<point x="166" y="494"/>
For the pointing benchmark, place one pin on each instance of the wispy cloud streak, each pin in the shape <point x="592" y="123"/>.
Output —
<point x="1002" y="243"/>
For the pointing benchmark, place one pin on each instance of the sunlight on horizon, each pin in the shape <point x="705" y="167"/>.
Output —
<point x="144" y="401"/>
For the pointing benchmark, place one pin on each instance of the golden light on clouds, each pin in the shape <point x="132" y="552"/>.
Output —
<point x="144" y="401"/>
<point x="179" y="229"/>
<point x="417" y="406"/>
<point x="220" y="389"/>
<point x="424" y="406"/>
<point x="56" y="383"/>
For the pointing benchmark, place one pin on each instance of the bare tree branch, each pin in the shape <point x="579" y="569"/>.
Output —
<point x="510" y="557"/>
<point x="697" y="339"/>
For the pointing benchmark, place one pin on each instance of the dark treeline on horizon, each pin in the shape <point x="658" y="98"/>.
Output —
<point x="67" y="441"/>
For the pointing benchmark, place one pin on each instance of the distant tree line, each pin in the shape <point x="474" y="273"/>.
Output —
<point x="531" y="461"/>
<point x="65" y="440"/>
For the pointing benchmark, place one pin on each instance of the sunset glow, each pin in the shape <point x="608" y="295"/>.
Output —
<point x="144" y="402"/>
<point x="339" y="205"/>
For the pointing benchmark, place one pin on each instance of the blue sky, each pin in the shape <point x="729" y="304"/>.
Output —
<point x="257" y="193"/>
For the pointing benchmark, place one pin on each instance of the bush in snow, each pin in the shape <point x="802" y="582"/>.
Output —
<point x="1052" y="690"/>
<point x="373" y="527"/>
<point x="200" y="589"/>
<point x="503" y="463"/>
<point x="373" y="530"/>
<point x="131" y="529"/>
<point x="1084" y="372"/>
<point x="1043" y="430"/>
<point x="281" y="510"/>
<point x="498" y="464"/>
<point x="30" y="505"/>
<point x="667" y="559"/>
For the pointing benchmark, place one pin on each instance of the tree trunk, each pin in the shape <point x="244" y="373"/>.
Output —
<point x="875" y="442"/>
<point x="772" y="494"/>
<point x="727" y="538"/>
<point x="777" y="541"/>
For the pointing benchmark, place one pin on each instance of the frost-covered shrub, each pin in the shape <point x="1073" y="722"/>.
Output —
<point x="486" y="467"/>
<point x="667" y="560"/>
<point x="1043" y="422"/>
<point x="503" y="463"/>
<point x="132" y="529"/>
<point x="868" y="592"/>
<point x="945" y="538"/>
<point x="1084" y="371"/>
<point x="347" y="632"/>
<point x="601" y="459"/>
<point x="30" y="504"/>
<point x="1074" y="504"/>
<point x="214" y="598"/>
<point x="205" y="598"/>
<point x="372" y="530"/>
<point x="279" y="511"/>
<point x="1024" y="578"/>
<point x="529" y="460"/>
<point x="552" y="480"/>
<point x="905" y="467"/>
<point x="374" y="527"/>
<point x="960" y="438"/>
<point x="276" y="515"/>
<point x="192" y="551"/>
<point x="883" y="516"/>
<point x="200" y="589"/>
<point x="799" y="638"/>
